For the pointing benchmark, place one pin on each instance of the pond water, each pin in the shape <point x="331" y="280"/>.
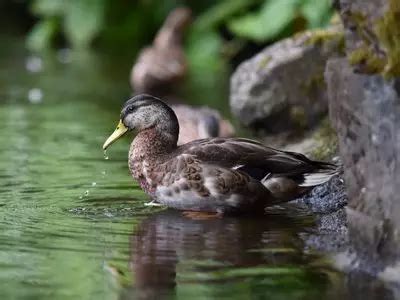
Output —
<point x="73" y="224"/>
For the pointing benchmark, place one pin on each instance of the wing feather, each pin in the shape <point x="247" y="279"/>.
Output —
<point x="253" y="158"/>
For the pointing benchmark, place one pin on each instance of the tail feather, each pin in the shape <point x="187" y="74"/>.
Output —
<point x="318" y="177"/>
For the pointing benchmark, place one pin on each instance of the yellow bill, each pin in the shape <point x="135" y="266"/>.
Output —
<point x="118" y="132"/>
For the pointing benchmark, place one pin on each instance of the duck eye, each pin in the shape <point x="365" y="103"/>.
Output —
<point x="131" y="109"/>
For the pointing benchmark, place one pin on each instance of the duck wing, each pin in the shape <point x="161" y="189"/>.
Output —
<point x="259" y="161"/>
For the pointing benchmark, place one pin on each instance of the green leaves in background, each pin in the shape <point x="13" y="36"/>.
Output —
<point x="42" y="34"/>
<point x="275" y="16"/>
<point x="222" y="11"/>
<point x="48" y="8"/>
<point x="121" y="23"/>
<point x="265" y="24"/>
<point x="81" y="22"/>
<point x="317" y="12"/>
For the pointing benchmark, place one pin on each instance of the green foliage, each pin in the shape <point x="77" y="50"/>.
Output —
<point x="81" y="21"/>
<point x="48" y="8"/>
<point x="222" y="11"/>
<point x="111" y="23"/>
<point x="42" y="34"/>
<point x="80" y="26"/>
<point x="317" y="12"/>
<point x="275" y="16"/>
<point x="265" y="24"/>
<point x="121" y="23"/>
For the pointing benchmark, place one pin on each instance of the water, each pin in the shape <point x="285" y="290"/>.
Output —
<point x="73" y="224"/>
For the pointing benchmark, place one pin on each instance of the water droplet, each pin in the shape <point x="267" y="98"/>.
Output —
<point x="105" y="155"/>
<point x="103" y="173"/>
<point x="94" y="183"/>
<point x="81" y="197"/>
<point x="35" y="95"/>
<point x="34" y="64"/>
<point x="86" y="193"/>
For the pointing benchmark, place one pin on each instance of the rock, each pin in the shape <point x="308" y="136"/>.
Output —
<point x="282" y="88"/>
<point x="327" y="202"/>
<point x="372" y="29"/>
<point x="326" y="198"/>
<point x="365" y="110"/>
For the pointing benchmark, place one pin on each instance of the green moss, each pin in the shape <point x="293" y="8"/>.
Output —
<point x="314" y="83"/>
<point x="366" y="57"/>
<point x="264" y="62"/>
<point x="388" y="32"/>
<point x="327" y="141"/>
<point x="320" y="37"/>
<point x="298" y="116"/>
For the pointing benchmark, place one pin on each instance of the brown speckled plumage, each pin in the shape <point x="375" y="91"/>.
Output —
<point x="215" y="175"/>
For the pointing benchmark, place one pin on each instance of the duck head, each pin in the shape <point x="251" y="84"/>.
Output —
<point x="145" y="112"/>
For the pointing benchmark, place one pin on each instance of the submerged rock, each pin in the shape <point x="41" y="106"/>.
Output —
<point x="327" y="202"/>
<point x="326" y="198"/>
<point x="282" y="88"/>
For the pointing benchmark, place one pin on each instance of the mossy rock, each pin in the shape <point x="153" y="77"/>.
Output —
<point x="377" y="49"/>
<point x="326" y="141"/>
<point x="388" y="32"/>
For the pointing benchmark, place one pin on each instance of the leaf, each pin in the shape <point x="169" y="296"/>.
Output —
<point x="42" y="34"/>
<point x="203" y="49"/>
<point x="220" y="12"/>
<point x="317" y="12"/>
<point x="83" y="21"/>
<point x="271" y="20"/>
<point x="48" y="8"/>
<point x="207" y="69"/>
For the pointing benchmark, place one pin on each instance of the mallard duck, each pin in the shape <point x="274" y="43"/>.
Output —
<point x="220" y="175"/>
<point x="162" y="64"/>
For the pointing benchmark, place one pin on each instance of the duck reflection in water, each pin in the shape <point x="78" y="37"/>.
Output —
<point x="204" y="245"/>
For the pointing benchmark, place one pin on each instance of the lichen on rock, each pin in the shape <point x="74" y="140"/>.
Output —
<point x="326" y="141"/>
<point x="373" y="35"/>
<point x="388" y="32"/>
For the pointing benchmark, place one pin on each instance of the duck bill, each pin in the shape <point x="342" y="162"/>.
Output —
<point x="118" y="132"/>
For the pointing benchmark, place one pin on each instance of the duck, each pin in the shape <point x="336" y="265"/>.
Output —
<point x="212" y="175"/>
<point x="163" y="64"/>
<point x="200" y="122"/>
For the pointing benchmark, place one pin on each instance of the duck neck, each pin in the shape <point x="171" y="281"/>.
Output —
<point x="152" y="143"/>
<point x="171" y="33"/>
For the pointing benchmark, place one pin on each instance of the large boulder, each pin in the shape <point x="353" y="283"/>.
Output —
<point x="364" y="105"/>
<point x="365" y="110"/>
<point x="282" y="88"/>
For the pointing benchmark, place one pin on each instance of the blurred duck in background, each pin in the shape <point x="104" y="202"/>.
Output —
<point x="160" y="67"/>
